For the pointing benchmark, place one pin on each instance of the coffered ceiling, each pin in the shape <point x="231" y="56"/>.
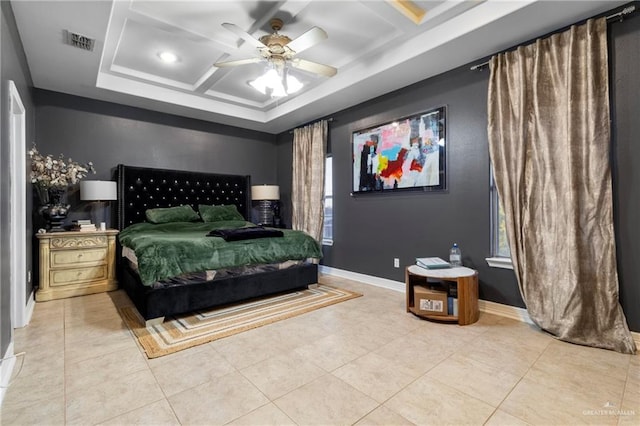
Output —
<point x="377" y="47"/>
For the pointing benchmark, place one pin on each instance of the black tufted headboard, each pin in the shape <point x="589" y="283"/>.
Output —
<point x="141" y="188"/>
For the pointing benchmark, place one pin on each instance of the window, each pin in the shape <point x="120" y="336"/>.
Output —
<point x="327" y="231"/>
<point x="500" y="246"/>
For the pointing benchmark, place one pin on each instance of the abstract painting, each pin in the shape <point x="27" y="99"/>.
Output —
<point x="408" y="153"/>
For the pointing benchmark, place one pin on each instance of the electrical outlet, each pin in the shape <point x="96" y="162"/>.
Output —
<point x="29" y="276"/>
<point x="396" y="262"/>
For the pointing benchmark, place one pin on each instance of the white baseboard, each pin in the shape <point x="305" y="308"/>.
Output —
<point x="363" y="278"/>
<point x="23" y="317"/>
<point x="521" y="314"/>
<point x="8" y="360"/>
<point x="7" y="363"/>
<point x="513" y="312"/>
<point x="507" y="311"/>
<point x="484" y="305"/>
<point x="636" y="338"/>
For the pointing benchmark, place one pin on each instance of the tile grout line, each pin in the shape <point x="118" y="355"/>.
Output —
<point x="624" y="389"/>
<point x="98" y="356"/>
<point x="477" y="337"/>
<point x="150" y="369"/>
<point x="270" y="401"/>
<point x="518" y="382"/>
<point x="406" y="386"/>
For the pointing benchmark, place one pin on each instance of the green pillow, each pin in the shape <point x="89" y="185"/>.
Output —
<point x="217" y="213"/>
<point x="172" y="214"/>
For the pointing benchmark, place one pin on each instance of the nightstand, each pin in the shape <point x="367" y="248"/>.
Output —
<point x="76" y="263"/>
<point x="466" y="282"/>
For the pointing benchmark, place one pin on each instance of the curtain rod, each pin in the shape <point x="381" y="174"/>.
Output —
<point x="330" y="119"/>
<point x="627" y="10"/>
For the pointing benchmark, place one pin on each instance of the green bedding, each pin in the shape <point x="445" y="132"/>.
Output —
<point x="170" y="249"/>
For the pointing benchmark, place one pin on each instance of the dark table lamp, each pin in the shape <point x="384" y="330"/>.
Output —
<point x="98" y="191"/>
<point x="268" y="197"/>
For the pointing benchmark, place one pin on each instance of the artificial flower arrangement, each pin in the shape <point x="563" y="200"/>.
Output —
<point x="48" y="172"/>
<point x="51" y="177"/>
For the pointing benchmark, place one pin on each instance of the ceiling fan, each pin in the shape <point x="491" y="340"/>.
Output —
<point x="279" y="50"/>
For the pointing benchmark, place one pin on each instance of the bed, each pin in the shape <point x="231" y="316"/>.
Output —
<point x="140" y="189"/>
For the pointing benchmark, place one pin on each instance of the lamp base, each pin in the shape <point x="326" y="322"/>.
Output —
<point x="98" y="213"/>
<point x="265" y="213"/>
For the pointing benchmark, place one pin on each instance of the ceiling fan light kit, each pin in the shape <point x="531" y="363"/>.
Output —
<point x="273" y="83"/>
<point x="279" y="51"/>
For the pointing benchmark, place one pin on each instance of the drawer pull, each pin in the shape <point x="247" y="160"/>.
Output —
<point x="80" y="256"/>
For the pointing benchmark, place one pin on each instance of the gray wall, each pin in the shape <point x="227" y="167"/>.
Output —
<point x="109" y="134"/>
<point x="625" y="96"/>
<point x="13" y="67"/>
<point x="371" y="229"/>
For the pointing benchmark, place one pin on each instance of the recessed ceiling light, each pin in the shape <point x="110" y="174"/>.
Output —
<point x="168" y="57"/>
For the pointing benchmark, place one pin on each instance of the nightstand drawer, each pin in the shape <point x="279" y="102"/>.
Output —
<point x="80" y="241"/>
<point x="66" y="258"/>
<point x="64" y="277"/>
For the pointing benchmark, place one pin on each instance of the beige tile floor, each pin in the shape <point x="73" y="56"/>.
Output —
<point x="365" y="361"/>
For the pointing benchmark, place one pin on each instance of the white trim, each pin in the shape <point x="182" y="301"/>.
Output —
<point x="18" y="201"/>
<point x="7" y="363"/>
<point x="636" y="338"/>
<point x="363" y="278"/>
<point x="31" y="304"/>
<point x="499" y="262"/>
<point x="508" y="311"/>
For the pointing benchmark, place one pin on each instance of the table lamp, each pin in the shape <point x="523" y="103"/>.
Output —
<point x="98" y="191"/>
<point x="267" y="195"/>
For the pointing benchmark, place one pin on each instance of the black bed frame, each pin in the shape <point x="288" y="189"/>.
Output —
<point x="141" y="188"/>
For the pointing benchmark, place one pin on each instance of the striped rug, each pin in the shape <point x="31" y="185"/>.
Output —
<point x="185" y="331"/>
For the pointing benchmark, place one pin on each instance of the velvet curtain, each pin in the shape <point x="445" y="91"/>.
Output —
<point x="549" y="141"/>
<point x="307" y="197"/>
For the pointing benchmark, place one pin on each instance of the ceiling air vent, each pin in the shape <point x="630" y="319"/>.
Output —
<point x="79" y="41"/>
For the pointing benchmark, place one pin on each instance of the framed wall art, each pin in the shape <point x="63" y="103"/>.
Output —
<point x="405" y="154"/>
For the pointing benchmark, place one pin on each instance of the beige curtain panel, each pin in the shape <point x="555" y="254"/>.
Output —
<point x="549" y="140"/>
<point x="307" y="195"/>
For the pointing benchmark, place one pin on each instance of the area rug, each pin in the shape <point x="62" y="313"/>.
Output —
<point x="185" y="331"/>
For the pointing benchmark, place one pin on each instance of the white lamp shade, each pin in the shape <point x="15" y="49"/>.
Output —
<point x="98" y="190"/>
<point x="265" y="192"/>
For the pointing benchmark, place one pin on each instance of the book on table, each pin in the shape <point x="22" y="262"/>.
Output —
<point x="432" y="263"/>
<point x="83" y="225"/>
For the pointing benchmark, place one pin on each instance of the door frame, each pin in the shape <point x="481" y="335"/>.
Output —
<point x="18" y="210"/>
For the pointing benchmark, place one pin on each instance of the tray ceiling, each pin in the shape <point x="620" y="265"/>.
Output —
<point x="377" y="47"/>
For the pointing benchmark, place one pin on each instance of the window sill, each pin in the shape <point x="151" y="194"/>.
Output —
<point x="499" y="262"/>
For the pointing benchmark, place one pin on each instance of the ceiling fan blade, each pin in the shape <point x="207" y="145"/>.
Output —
<point x="313" y="67"/>
<point x="243" y="35"/>
<point x="308" y="39"/>
<point x="236" y="63"/>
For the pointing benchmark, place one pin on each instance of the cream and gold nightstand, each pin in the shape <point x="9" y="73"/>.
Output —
<point x="76" y="263"/>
